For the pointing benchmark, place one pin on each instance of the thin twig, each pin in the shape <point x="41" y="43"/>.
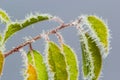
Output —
<point x="60" y="38"/>
<point x="30" y="47"/>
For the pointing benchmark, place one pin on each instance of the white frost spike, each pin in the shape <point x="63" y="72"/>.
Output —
<point x="24" y="57"/>
<point x="25" y="63"/>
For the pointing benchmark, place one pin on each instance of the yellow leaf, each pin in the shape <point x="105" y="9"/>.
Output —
<point x="32" y="75"/>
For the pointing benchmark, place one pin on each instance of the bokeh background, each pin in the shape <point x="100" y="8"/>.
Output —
<point x="68" y="10"/>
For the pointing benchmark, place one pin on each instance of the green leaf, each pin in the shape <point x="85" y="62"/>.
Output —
<point x="31" y="72"/>
<point x="56" y="61"/>
<point x="13" y="27"/>
<point x="36" y="59"/>
<point x="87" y="62"/>
<point x="4" y="17"/>
<point x="1" y="62"/>
<point x="91" y="57"/>
<point x="99" y="27"/>
<point x="71" y="61"/>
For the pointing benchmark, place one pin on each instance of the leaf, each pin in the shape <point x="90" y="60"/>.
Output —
<point x="71" y="61"/>
<point x="36" y="59"/>
<point x="87" y="62"/>
<point x="91" y="57"/>
<point x="1" y="62"/>
<point x="4" y="17"/>
<point x="13" y="27"/>
<point x="31" y="72"/>
<point x="56" y="61"/>
<point x="99" y="27"/>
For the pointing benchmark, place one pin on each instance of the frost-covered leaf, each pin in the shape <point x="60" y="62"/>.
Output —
<point x="36" y="59"/>
<point x="98" y="30"/>
<point x="4" y="17"/>
<point x="31" y="72"/>
<point x="56" y="61"/>
<point x="91" y="58"/>
<point x="17" y="26"/>
<point x="1" y="62"/>
<point x="101" y="30"/>
<point x="87" y="62"/>
<point x="71" y="61"/>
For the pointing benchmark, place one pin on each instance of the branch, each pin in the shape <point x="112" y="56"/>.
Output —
<point x="16" y="49"/>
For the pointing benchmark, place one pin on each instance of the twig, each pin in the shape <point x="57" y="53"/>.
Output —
<point x="60" y="38"/>
<point x="30" y="47"/>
